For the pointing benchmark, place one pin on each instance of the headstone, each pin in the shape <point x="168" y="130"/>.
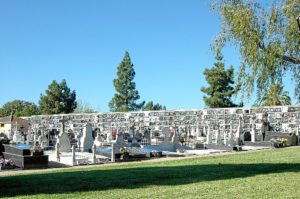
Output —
<point x="175" y="140"/>
<point x="108" y="137"/>
<point x="294" y="139"/>
<point x="98" y="140"/>
<point x="166" y="133"/>
<point x="86" y="140"/>
<point x="64" y="142"/>
<point x="17" y="137"/>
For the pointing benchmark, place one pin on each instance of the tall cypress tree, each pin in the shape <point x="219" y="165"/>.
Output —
<point x="220" y="89"/>
<point x="126" y="94"/>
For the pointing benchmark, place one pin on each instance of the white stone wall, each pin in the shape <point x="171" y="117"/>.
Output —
<point x="282" y="119"/>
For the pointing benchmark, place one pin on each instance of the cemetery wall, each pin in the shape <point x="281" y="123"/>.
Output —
<point x="281" y="119"/>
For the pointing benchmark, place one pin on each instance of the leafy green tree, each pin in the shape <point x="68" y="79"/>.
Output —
<point x="126" y="94"/>
<point x="275" y="96"/>
<point x="268" y="39"/>
<point x="220" y="89"/>
<point x="149" y="106"/>
<point x="58" y="99"/>
<point x="19" y="108"/>
<point x="83" y="107"/>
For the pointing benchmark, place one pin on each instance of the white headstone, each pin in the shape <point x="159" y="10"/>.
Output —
<point x="86" y="141"/>
<point x="108" y="137"/>
<point x="98" y="140"/>
<point x="17" y="138"/>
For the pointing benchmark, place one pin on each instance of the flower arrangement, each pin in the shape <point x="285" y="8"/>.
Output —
<point x="279" y="142"/>
<point x="36" y="150"/>
<point x="6" y="163"/>
<point x="124" y="151"/>
<point x="283" y="141"/>
<point x="155" y="153"/>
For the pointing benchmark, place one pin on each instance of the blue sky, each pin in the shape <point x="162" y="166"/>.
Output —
<point x="83" y="41"/>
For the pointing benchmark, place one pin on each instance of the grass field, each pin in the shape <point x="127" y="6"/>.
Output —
<point x="262" y="174"/>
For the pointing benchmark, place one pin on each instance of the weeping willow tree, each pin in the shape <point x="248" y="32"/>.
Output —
<point x="275" y="96"/>
<point x="268" y="39"/>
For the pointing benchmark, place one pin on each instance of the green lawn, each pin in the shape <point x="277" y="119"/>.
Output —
<point x="262" y="174"/>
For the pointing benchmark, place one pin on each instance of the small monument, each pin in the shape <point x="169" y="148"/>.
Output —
<point x="17" y="138"/>
<point x="86" y="140"/>
<point x="64" y="142"/>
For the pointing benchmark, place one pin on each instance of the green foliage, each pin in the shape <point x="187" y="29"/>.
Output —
<point x="220" y="89"/>
<point x="126" y="94"/>
<point x="83" y="107"/>
<point x="19" y="108"/>
<point x="275" y="96"/>
<point x="268" y="40"/>
<point x="149" y="106"/>
<point x="58" y="99"/>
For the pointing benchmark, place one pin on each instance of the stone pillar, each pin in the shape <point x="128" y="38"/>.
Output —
<point x="253" y="134"/>
<point x="73" y="156"/>
<point x="113" y="155"/>
<point x="225" y="137"/>
<point x="57" y="152"/>
<point x="208" y="136"/>
<point x="297" y="133"/>
<point x="94" y="153"/>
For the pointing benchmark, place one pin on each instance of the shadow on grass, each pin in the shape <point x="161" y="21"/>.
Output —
<point x="129" y="178"/>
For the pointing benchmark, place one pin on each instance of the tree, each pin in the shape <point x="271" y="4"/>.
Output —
<point x="153" y="107"/>
<point x="268" y="40"/>
<point x="58" y="99"/>
<point x="83" y="107"/>
<point x="126" y="94"/>
<point x="220" y="87"/>
<point x="275" y="96"/>
<point x="19" y="108"/>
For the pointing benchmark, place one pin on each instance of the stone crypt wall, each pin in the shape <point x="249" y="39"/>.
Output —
<point x="280" y="119"/>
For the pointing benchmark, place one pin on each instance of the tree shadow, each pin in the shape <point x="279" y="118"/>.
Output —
<point x="130" y="178"/>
